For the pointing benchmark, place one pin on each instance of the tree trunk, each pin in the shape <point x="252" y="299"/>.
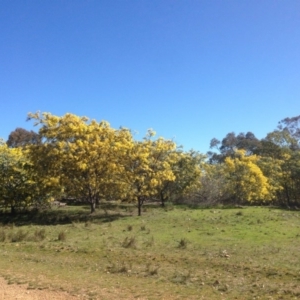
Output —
<point x="93" y="206"/>
<point x="12" y="210"/>
<point x="286" y="188"/>
<point x="162" y="199"/>
<point x="140" y="203"/>
<point x="92" y="199"/>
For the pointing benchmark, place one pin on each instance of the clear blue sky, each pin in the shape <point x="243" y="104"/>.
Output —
<point x="190" y="69"/>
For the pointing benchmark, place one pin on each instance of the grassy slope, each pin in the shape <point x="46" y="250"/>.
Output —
<point x="250" y="253"/>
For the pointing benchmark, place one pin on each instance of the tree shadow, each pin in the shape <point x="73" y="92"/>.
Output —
<point x="61" y="216"/>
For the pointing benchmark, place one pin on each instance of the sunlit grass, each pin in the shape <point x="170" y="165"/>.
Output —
<point x="181" y="253"/>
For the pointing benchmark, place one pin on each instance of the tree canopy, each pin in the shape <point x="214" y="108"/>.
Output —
<point x="21" y="137"/>
<point x="73" y="157"/>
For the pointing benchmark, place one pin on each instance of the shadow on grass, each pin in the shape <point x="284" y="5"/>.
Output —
<point x="230" y="206"/>
<point x="66" y="215"/>
<point x="203" y="206"/>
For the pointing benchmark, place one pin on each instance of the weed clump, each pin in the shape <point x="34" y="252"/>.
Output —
<point x="151" y="270"/>
<point x="119" y="267"/>
<point x="129" y="242"/>
<point x="62" y="236"/>
<point x="40" y="234"/>
<point x="19" y="236"/>
<point x="170" y="207"/>
<point x="181" y="277"/>
<point x="2" y="236"/>
<point x="150" y="242"/>
<point x="183" y="243"/>
<point x="87" y="224"/>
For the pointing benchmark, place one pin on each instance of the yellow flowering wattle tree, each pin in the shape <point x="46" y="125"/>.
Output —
<point x="16" y="184"/>
<point x="146" y="167"/>
<point x="244" y="179"/>
<point x="272" y="168"/>
<point x="78" y="156"/>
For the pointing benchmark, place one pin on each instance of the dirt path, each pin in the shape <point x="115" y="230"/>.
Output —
<point x="20" y="292"/>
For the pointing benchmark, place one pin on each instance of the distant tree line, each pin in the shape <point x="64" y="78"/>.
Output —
<point x="74" y="157"/>
<point x="277" y="163"/>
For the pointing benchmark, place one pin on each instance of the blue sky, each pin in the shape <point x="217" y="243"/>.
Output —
<point x="192" y="70"/>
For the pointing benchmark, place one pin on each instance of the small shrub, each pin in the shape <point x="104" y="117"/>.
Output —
<point x="129" y="227"/>
<point x="151" y="270"/>
<point x="150" y="242"/>
<point x="2" y="236"/>
<point x="182" y="243"/>
<point x="143" y="227"/>
<point x="170" y="207"/>
<point x="181" y="278"/>
<point x="129" y="242"/>
<point x="119" y="267"/>
<point x="40" y="234"/>
<point x="87" y="224"/>
<point x="75" y="224"/>
<point x="62" y="236"/>
<point x="19" y="236"/>
<point x="239" y="213"/>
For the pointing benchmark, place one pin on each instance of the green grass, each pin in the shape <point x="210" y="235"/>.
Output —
<point x="182" y="253"/>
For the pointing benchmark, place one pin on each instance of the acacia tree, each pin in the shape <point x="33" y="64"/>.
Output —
<point x="146" y="167"/>
<point x="245" y="180"/>
<point x="79" y="156"/>
<point x="272" y="169"/>
<point x="16" y="184"/>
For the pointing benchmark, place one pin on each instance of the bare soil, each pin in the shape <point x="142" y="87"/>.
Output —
<point x="21" y="292"/>
<point x="18" y="292"/>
